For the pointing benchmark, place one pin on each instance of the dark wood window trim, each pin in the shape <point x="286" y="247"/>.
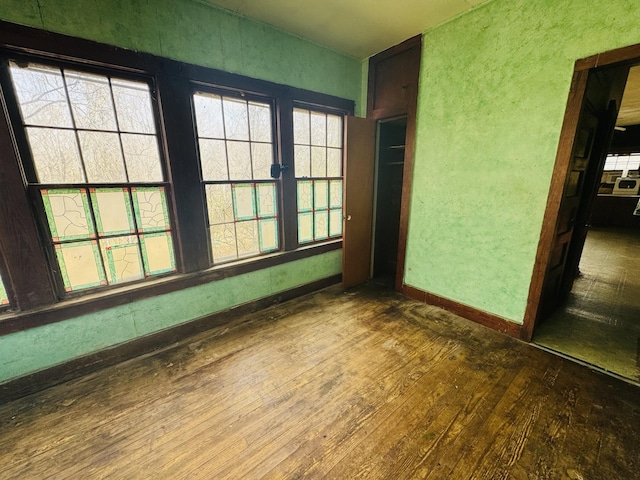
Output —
<point x="32" y="291"/>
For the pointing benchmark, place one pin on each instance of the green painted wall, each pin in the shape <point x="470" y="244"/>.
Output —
<point x="197" y="33"/>
<point x="493" y="90"/>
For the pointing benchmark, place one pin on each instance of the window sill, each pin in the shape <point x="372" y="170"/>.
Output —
<point x="11" y="322"/>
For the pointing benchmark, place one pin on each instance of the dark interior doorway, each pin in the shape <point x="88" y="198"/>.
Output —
<point x="389" y="176"/>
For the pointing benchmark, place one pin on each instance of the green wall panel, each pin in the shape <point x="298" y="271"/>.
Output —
<point x="493" y="90"/>
<point x="194" y="32"/>
<point x="31" y="350"/>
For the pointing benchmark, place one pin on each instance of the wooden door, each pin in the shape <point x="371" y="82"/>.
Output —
<point x="593" y="135"/>
<point x="360" y="142"/>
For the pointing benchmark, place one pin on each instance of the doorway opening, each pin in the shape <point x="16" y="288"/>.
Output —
<point x="597" y="320"/>
<point x="388" y="199"/>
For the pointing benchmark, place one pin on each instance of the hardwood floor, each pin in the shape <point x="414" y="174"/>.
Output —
<point x="365" y="384"/>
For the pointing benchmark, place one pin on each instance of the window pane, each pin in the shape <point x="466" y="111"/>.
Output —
<point x="334" y="162"/>
<point x="68" y="214"/>
<point x="133" y="106"/>
<point x="321" y="194"/>
<point x="267" y="199"/>
<point x="91" y="103"/>
<point x="112" y="210"/>
<point x="41" y="95"/>
<point x="4" y="298"/>
<point x="260" y="122"/>
<point x="150" y="206"/>
<point x="268" y="235"/>
<point x="142" y="158"/>
<point x="236" y="121"/>
<point x="335" y="193"/>
<point x="213" y="159"/>
<point x="80" y="265"/>
<point x="302" y="161"/>
<point x="247" y="236"/>
<point x="157" y="251"/>
<point x="321" y="225"/>
<point x="318" y="162"/>
<point x="305" y="196"/>
<point x="262" y="158"/>
<point x="305" y="227"/>
<point x="102" y="157"/>
<point x="55" y="155"/>
<point x="301" y="127"/>
<point x="209" y="115"/>
<point x="335" y="223"/>
<point x="318" y="129"/>
<point x="239" y="160"/>
<point x="334" y="131"/>
<point x="244" y="205"/>
<point x="219" y="204"/>
<point x="223" y="242"/>
<point x="122" y="260"/>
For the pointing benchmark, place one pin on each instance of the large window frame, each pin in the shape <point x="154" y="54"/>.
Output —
<point x="26" y="263"/>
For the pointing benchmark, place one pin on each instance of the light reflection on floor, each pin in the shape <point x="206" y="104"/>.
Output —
<point x="600" y="323"/>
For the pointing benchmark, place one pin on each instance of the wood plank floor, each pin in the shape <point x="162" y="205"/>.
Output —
<point x="365" y="384"/>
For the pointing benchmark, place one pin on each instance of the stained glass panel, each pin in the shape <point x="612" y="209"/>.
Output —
<point x="41" y="95"/>
<point x="321" y="194"/>
<point x="4" y="298"/>
<point x="157" y="251"/>
<point x="260" y="122"/>
<point x="268" y="235"/>
<point x="142" y="158"/>
<point x="305" y="196"/>
<point x="91" y="103"/>
<point x="335" y="193"/>
<point x="244" y="204"/>
<point x="122" y="260"/>
<point x="335" y="223"/>
<point x="305" y="227"/>
<point x="318" y="162"/>
<point x="321" y="225"/>
<point x="55" y="155"/>
<point x="133" y="106"/>
<point x="213" y="159"/>
<point x="247" y="237"/>
<point x="302" y="161"/>
<point x="266" y="199"/>
<point x="68" y="214"/>
<point x="219" y="204"/>
<point x="318" y="129"/>
<point x="80" y="265"/>
<point x="209" y="115"/>
<point x="150" y="206"/>
<point x="102" y="157"/>
<point x="236" y="121"/>
<point x="223" y="242"/>
<point x="112" y="211"/>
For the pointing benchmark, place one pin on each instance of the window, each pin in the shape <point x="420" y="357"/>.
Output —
<point x="95" y="173"/>
<point x="317" y="141"/>
<point x="627" y="164"/>
<point x="236" y="152"/>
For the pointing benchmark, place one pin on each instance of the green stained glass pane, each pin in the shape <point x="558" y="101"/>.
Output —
<point x="247" y="238"/>
<point x="223" y="242"/>
<point x="267" y="198"/>
<point x="321" y="194"/>
<point x="80" y="265"/>
<point x="335" y="194"/>
<point x="68" y="214"/>
<point x="219" y="204"/>
<point x="321" y="225"/>
<point x="244" y="204"/>
<point x="305" y="196"/>
<point x="4" y="298"/>
<point x="150" y="206"/>
<point x="302" y="161"/>
<point x="335" y="223"/>
<point x="268" y="230"/>
<point x="112" y="210"/>
<point x="157" y="252"/>
<point x="305" y="227"/>
<point x="122" y="260"/>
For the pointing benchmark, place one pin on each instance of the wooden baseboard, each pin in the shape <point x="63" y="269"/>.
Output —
<point x="92" y="362"/>
<point x="483" y="318"/>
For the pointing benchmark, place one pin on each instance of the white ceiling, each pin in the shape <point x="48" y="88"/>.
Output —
<point x="359" y="28"/>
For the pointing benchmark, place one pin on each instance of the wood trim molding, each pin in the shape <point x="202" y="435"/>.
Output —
<point x="168" y="338"/>
<point x="620" y="56"/>
<point x="478" y="316"/>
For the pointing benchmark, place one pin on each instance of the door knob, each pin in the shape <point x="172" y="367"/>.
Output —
<point x="348" y="217"/>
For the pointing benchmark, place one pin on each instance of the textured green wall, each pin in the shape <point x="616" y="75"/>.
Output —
<point x="493" y="90"/>
<point x="197" y="33"/>
<point x="192" y="32"/>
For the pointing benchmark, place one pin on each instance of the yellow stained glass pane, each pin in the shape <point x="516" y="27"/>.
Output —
<point x="151" y="208"/>
<point x="244" y="202"/>
<point x="67" y="213"/>
<point x="247" y="237"/>
<point x="112" y="210"/>
<point x="321" y="225"/>
<point x="158" y="253"/>
<point x="305" y="227"/>
<point x="219" y="204"/>
<point x="122" y="260"/>
<point x="223" y="242"/>
<point x="335" y="223"/>
<point x="80" y="265"/>
<point x="321" y="194"/>
<point x="268" y="235"/>
<point x="266" y="199"/>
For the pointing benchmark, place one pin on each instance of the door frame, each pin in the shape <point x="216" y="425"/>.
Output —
<point x="626" y="56"/>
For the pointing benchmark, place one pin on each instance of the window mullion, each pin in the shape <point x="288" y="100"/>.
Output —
<point x="288" y="190"/>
